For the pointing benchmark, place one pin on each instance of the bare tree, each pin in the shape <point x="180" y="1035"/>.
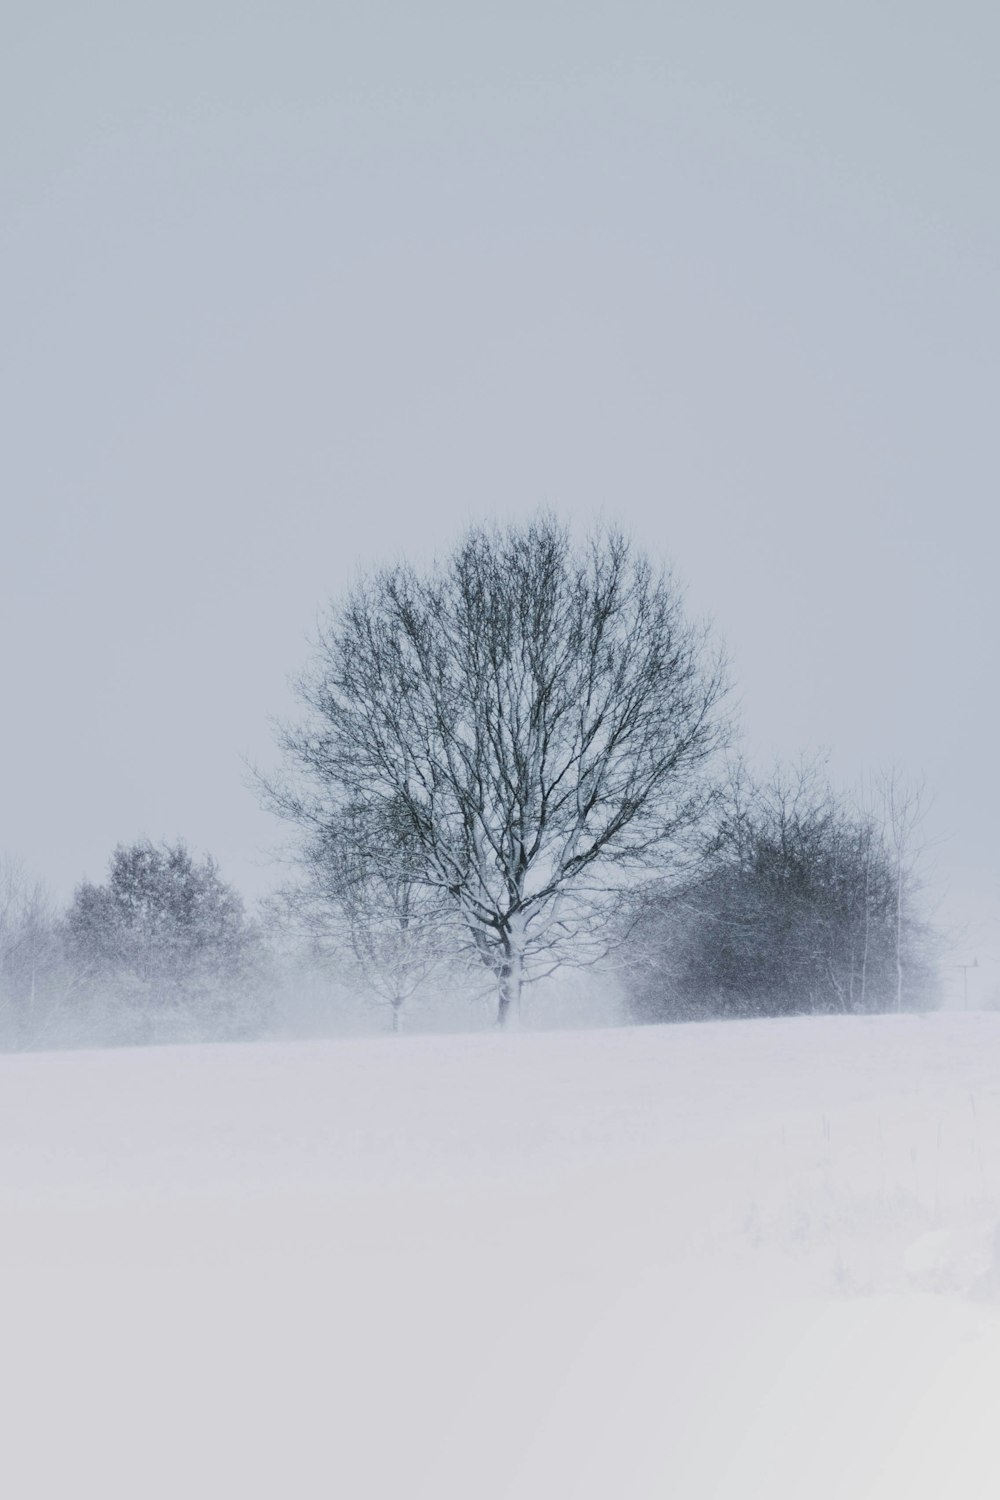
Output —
<point x="163" y="949"/>
<point x="903" y="808"/>
<point x="33" y="980"/>
<point x="805" y="901"/>
<point x="367" y="911"/>
<point x="539" y="717"/>
<point x="29" y="956"/>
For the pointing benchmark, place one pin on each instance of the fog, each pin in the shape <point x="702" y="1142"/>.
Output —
<point x="294" y="291"/>
<point x="291" y="291"/>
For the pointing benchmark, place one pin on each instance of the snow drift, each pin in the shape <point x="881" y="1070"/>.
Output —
<point x="725" y="1260"/>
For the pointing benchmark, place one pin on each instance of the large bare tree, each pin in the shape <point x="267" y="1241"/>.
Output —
<point x="538" y="716"/>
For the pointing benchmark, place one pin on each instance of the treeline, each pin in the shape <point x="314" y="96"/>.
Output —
<point x="512" y="764"/>
<point x="795" y="900"/>
<point x="519" y="761"/>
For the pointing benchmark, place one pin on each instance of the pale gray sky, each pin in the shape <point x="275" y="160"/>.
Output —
<point x="289" y="288"/>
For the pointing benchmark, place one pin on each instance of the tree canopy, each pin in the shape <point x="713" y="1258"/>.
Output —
<point x="535" y="718"/>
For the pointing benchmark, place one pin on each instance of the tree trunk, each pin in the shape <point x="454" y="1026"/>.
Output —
<point x="510" y="979"/>
<point x="509" y="994"/>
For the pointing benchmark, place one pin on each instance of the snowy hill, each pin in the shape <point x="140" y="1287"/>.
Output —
<point x="725" y="1260"/>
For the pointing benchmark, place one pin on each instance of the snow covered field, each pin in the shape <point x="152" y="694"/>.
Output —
<point x="728" y="1260"/>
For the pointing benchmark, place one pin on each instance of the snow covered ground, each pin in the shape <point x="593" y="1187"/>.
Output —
<point x="729" y="1260"/>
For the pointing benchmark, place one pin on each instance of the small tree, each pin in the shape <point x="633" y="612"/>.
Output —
<point x="163" y="946"/>
<point x="538" y="718"/>
<point x="30" y="969"/>
<point x="902" y="808"/>
<point x="367" y="911"/>
<point x="796" y="908"/>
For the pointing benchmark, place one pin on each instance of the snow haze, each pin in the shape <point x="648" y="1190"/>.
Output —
<point x="289" y="289"/>
<point x="293" y="292"/>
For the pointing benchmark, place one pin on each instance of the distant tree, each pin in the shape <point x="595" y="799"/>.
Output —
<point x="538" y="717"/>
<point x="164" y="946"/>
<point x="902" y="807"/>
<point x="367" y="911"/>
<point x="31" y="977"/>
<point x="802" y="904"/>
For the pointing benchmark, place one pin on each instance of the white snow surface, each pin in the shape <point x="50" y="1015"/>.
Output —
<point x="721" y="1260"/>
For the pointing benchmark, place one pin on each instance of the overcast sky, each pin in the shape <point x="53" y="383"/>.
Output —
<point x="290" y="289"/>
